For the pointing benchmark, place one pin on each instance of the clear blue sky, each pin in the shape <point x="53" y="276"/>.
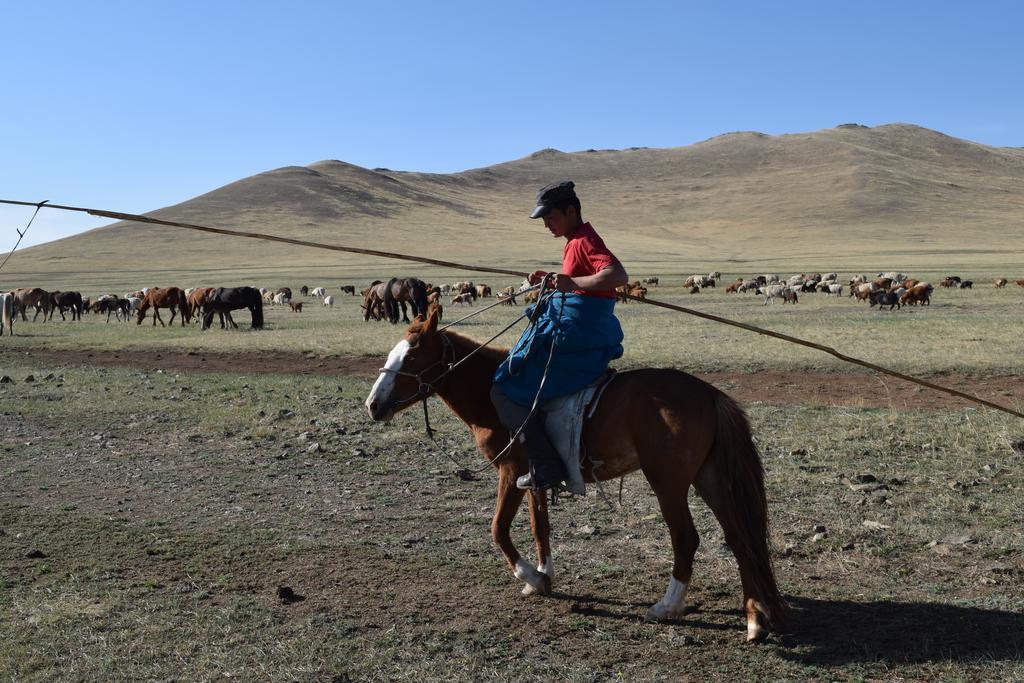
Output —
<point x="131" y="106"/>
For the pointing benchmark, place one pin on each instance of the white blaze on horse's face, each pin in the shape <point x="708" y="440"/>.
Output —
<point x="379" y="404"/>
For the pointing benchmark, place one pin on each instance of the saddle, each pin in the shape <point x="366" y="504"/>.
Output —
<point x="564" y="418"/>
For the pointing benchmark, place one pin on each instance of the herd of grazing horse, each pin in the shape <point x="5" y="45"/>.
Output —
<point x="391" y="300"/>
<point x="388" y="301"/>
<point x="383" y="300"/>
<point x="199" y="304"/>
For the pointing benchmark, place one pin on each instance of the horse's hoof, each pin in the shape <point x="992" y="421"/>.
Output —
<point x="544" y="589"/>
<point x="537" y="583"/>
<point x="660" y="612"/>
<point x="756" y="630"/>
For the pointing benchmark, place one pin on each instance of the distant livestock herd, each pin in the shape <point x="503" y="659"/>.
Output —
<point x="891" y="289"/>
<point x="386" y="300"/>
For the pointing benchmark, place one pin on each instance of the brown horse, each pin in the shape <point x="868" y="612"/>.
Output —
<point x="400" y="290"/>
<point x="195" y="300"/>
<point x="678" y="430"/>
<point x="166" y="297"/>
<point x="373" y="300"/>
<point x="35" y="297"/>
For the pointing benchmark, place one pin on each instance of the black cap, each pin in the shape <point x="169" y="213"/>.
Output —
<point x="553" y="196"/>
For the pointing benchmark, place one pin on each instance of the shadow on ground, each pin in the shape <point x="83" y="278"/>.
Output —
<point x="839" y="632"/>
<point x="842" y="632"/>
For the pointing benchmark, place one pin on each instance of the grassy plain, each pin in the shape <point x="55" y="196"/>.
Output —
<point x="148" y="518"/>
<point x="974" y="331"/>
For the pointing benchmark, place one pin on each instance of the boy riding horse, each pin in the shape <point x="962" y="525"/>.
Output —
<point x="580" y="321"/>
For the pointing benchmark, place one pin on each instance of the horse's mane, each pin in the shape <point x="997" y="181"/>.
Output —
<point x="491" y="353"/>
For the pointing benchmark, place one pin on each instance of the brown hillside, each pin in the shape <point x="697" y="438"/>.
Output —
<point x="893" y="195"/>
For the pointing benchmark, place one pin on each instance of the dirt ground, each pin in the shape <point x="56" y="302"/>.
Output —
<point x="150" y="519"/>
<point x="853" y="389"/>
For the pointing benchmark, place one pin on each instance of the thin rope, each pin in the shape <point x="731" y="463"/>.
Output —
<point x="490" y="306"/>
<point x="501" y="271"/>
<point x="478" y="348"/>
<point x="540" y="387"/>
<point x="21" y="233"/>
<point x="463" y="471"/>
<point x="829" y="350"/>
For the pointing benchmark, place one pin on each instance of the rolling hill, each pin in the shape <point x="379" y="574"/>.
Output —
<point x="892" y="196"/>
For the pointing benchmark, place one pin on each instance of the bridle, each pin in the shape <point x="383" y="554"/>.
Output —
<point x="425" y="388"/>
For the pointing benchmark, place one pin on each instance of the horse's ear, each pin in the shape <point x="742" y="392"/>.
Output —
<point x="433" y="315"/>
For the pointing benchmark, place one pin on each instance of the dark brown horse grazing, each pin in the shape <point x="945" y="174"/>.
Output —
<point x="223" y="300"/>
<point x="678" y="430"/>
<point x="61" y="301"/>
<point x="165" y="297"/>
<point x="400" y="290"/>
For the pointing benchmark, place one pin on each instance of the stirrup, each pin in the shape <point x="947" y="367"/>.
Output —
<point x="528" y="483"/>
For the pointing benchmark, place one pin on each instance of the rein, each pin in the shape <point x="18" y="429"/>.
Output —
<point x="426" y="388"/>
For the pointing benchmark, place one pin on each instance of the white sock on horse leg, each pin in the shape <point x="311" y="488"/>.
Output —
<point x="533" y="578"/>
<point x="673" y="604"/>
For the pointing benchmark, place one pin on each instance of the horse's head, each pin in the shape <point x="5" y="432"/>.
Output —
<point x="416" y="360"/>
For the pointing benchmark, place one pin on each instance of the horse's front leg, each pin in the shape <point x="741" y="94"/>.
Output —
<point x="509" y="499"/>
<point x="541" y="526"/>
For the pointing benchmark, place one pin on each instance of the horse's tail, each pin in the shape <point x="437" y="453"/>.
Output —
<point x="181" y="302"/>
<point x="746" y="510"/>
<point x="390" y="303"/>
<point x="257" y="312"/>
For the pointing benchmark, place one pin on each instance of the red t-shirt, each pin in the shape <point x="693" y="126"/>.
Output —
<point x="586" y="254"/>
